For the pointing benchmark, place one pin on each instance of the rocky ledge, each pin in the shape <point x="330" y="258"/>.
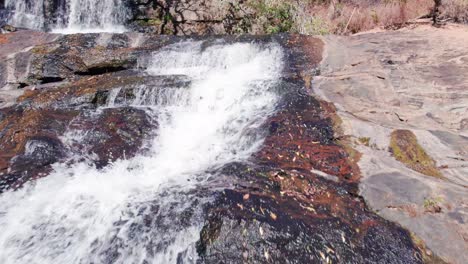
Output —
<point x="403" y="100"/>
<point x="299" y="198"/>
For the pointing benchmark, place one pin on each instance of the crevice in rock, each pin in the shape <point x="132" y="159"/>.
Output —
<point x="100" y="98"/>
<point x="22" y="85"/>
<point x="101" y="70"/>
<point x="45" y="80"/>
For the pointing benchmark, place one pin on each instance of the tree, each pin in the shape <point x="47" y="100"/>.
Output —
<point x="436" y="12"/>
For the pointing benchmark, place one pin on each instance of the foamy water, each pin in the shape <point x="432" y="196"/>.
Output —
<point x="129" y="211"/>
<point x="71" y="16"/>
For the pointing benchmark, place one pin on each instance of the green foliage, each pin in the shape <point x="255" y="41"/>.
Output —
<point x="364" y="140"/>
<point x="276" y="17"/>
<point x="168" y="17"/>
<point x="430" y="203"/>
<point x="149" y="22"/>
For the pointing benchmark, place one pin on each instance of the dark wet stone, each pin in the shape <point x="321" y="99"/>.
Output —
<point x="39" y="151"/>
<point x="111" y="134"/>
<point x="280" y="211"/>
<point x="30" y="142"/>
<point x="239" y="231"/>
<point x="100" y="98"/>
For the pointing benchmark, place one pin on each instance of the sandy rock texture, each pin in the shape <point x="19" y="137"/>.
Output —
<point x="407" y="88"/>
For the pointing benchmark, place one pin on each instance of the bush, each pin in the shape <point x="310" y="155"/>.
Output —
<point x="319" y="17"/>
<point x="455" y="10"/>
<point x="352" y="16"/>
<point x="275" y="16"/>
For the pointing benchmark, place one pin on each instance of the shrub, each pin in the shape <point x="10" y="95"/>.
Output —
<point x="456" y="10"/>
<point x="352" y="16"/>
<point x="275" y="16"/>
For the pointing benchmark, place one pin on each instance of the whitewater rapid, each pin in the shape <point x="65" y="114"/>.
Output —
<point x="129" y="211"/>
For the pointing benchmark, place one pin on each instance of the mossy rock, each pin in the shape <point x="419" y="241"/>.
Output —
<point x="427" y="255"/>
<point x="364" y="141"/>
<point x="41" y="50"/>
<point x="405" y="148"/>
<point x="149" y="22"/>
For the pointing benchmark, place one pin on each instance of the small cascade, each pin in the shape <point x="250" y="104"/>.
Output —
<point x="148" y="209"/>
<point x="69" y="16"/>
<point x="27" y="13"/>
<point x="93" y="16"/>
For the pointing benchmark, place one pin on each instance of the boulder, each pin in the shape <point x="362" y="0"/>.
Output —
<point x="402" y="98"/>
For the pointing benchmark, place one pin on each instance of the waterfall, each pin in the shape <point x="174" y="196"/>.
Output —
<point x="94" y="16"/>
<point x="132" y="210"/>
<point x="69" y="16"/>
<point x="27" y="13"/>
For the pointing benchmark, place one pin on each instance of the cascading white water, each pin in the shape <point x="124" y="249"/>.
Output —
<point x="79" y="214"/>
<point x="28" y="14"/>
<point x="94" y="16"/>
<point x="71" y="16"/>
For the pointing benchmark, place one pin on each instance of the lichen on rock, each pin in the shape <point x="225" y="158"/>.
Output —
<point x="405" y="148"/>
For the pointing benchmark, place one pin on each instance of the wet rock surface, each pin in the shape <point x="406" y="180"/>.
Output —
<point x="15" y="59"/>
<point x="56" y="99"/>
<point x="110" y="134"/>
<point x="30" y="144"/>
<point x="296" y="200"/>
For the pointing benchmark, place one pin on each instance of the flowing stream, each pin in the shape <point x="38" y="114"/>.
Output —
<point x="135" y="210"/>
<point x="69" y="16"/>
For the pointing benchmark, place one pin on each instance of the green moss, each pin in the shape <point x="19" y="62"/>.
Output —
<point x="337" y="122"/>
<point x="150" y="22"/>
<point x="40" y="50"/>
<point x="353" y="155"/>
<point x="405" y="148"/>
<point x="100" y="48"/>
<point x="364" y="140"/>
<point x="431" y="203"/>
<point x="426" y="255"/>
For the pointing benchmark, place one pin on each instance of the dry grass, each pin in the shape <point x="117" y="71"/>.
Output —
<point x="318" y="17"/>
<point x="354" y="16"/>
<point x="456" y="10"/>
